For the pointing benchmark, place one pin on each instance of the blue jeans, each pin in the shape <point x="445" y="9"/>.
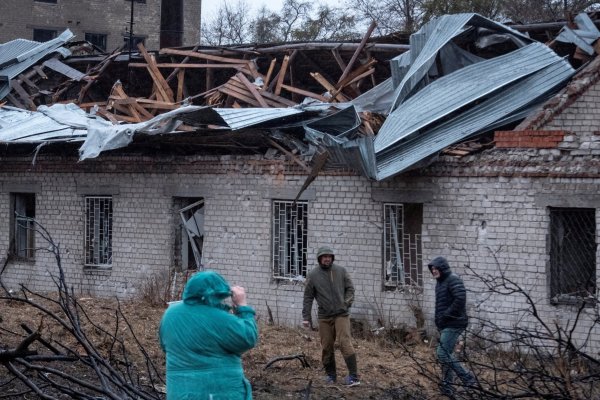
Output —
<point x="450" y="365"/>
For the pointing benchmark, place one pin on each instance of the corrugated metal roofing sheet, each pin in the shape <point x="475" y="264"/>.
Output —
<point x="18" y="55"/>
<point x="459" y="89"/>
<point x="487" y="115"/>
<point x="427" y="42"/>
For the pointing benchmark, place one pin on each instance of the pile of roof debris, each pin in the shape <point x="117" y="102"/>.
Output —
<point x="378" y="108"/>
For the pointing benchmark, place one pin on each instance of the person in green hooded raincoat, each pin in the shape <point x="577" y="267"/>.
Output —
<point x="204" y="339"/>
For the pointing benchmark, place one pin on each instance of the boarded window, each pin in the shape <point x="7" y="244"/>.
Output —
<point x="23" y="228"/>
<point x="289" y="239"/>
<point x="189" y="233"/>
<point x="402" y="252"/>
<point x="98" y="231"/>
<point x="572" y="254"/>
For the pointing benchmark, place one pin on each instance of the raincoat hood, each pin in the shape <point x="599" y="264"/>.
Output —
<point x="207" y="287"/>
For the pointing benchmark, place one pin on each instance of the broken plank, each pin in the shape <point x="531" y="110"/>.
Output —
<point x="22" y="93"/>
<point x="180" y="78"/>
<point x="184" y="66"/>
<point x="304" y="93"/>
<point x="282" y="73"/>
<point x="161" y="84"/>
<point x="203" y="56"/>
<point x="269" y="73"/>
<point x="335" y="93"/>
<point x="357" y="51"/>
<point x="252" y="88"/>
<point x="289" y="154"/>
<point x="239" y="96"/>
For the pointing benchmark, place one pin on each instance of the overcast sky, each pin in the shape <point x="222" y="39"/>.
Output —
<point x="210" y="7"/>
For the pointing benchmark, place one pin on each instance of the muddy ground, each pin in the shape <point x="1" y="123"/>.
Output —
<point x="387" y="372"/>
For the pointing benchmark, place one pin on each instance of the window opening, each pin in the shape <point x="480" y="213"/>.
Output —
<point x="572" y="255"/>
<point x="23" y="229"/>
<point x="290" y="220"/>
<point x="403" y="258"/>
<point x="189" y="233"/>
<point x="98" y="231"/>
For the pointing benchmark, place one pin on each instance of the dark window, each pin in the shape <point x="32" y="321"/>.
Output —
<point x="572" y="255"/>
<point x="171" y="23"/>
<point x="137" y="1"/>
<point x="135" y="41"/>
<point x="189" y="233"/>
<point x="290" y="244"/>
<point x="23" y="227"/>
<point x="98" y="231"/>
<point x="402" y="248"/>
<point x="46" y="1"/>
<point x="97" y="39"/>
<point x="43" y="35"/>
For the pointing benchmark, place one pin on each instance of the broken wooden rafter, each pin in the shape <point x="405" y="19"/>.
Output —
<point x="305" y="93"/>
<point x="335" y="93"/>
<point x="252" y="88"/>
<point x="162" y="86"/>
<point x="289" y="154"/>
<point x="358" y="51"/>
<point x="281" y="75"/>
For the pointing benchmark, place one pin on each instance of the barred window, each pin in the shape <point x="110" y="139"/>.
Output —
<point x="289" y="239"/>
<point x="572" y="255"/>
<point x="98" y="231"/>
<point x="23" y="230"/>
<point x="402" y="252"/>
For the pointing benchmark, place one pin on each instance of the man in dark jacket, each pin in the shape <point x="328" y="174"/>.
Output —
<point x="451" y="320"/>
<point x="332" y="287"/>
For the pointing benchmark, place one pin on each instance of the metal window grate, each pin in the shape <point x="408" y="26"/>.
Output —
<point x="23" y="240"/>
<point x="403" y="259"/>
<point x="98" y="231"/>
<point x="572" y="254"/>
<point x="289" y="239"/>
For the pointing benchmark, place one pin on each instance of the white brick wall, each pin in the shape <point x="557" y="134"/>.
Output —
<point x="470" y="220"/>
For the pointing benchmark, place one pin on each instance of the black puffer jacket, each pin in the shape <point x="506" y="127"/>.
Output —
<point x="450" y="297"/>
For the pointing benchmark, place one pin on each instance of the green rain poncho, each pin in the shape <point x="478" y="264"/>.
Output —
<point x="204" y="342"/>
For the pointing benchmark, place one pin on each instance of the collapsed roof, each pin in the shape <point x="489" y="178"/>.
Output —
<point x="460" y="77"/>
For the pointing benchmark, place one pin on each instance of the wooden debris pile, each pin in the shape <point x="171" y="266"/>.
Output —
<point x="132" y="88"/>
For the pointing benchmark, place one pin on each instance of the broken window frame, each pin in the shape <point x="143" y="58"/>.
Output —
<point x="98" y="231"/>
<point x="289" y="239"/>
<point x="572" y="246"/>
<point x="402" y="247"/>
<point x="22" y="231"/>
<point x="193" y="241"/>
<point x="97" y="39"/>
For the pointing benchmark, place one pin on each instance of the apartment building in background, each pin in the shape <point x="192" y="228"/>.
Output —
<point x="105" y="23"/>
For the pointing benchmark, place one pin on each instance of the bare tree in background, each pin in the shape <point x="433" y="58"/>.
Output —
<point x="265" y="26"/>
<point x="230" y="26"/>
<point x="293" y="13"/>
<point x="390" y="15"/>
<point x="328" y="24"/>
<point x="528" y="11"/>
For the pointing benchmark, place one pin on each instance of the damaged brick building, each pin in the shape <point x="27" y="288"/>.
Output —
<point x="491" y="161"/>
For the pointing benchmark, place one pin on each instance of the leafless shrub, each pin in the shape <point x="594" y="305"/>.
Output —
<point x="535" y="358"/>
<point x="68" y="353"/>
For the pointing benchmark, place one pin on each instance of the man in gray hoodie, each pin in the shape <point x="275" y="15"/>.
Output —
<point x="332" y="287"/>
